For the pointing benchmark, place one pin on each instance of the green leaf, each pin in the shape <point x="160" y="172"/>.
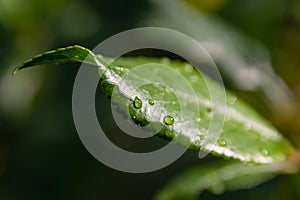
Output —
<point x="245" y="136"/>
<point x="230" y="48"/>
<point x="69" y="54"/>
<point x="217" y="178"/>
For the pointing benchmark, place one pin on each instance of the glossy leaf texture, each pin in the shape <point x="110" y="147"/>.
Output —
<point x="245" y="136"/>
<point x="69" y="54"/>
<point x="230" y="48"/>
<point x="217" y="178"/>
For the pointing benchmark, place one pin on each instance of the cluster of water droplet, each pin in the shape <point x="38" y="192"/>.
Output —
<point x="137" y="103"/>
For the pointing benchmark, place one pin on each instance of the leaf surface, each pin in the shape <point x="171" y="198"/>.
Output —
<point x="245" y="136"/>
<point x="217" y="178"/>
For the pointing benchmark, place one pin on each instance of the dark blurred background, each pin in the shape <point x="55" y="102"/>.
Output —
<point x="41" y="155"/>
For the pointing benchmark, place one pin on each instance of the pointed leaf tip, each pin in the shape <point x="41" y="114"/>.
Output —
<point x="74" y="53"/>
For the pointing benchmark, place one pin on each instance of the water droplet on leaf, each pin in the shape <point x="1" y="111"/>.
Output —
<point x="166" y="60"/>
<point x="202" y="137"/>
<point x="222" y="142"/>
<point x="151" y="102"/>
<point x="194" y="78"/>
<point x="169" y="120"/>
<point x="137" y="103"/>
<point x="264" y="152"/>
<point x="188" y="68"/>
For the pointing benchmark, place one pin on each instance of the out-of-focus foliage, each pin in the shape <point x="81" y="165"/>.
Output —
<point x="241" y="59"/>
<point x="41" y="156"/>
<point x="207" y="6"/>
<point x="217" y="178"/>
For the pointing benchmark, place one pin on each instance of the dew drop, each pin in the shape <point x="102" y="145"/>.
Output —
<point x="166" y="60"/>
<point x="137" y="103"/>
<point x="188" y="68"/>
<point x="202" y="137"/>
<point x="264" y="152"/>
<point x="169" y="120"/>
<point x="196" y="140"/>
<point x="222" y="142"/>
<point x="151" y="102"/>
<point x="194" y="78"/>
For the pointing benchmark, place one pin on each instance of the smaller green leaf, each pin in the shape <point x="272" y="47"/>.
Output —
<point x="69" y="54"/>
<point x="218" y="178"/>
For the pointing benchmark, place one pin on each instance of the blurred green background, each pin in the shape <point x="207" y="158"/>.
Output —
<point x="41" y="155"/>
